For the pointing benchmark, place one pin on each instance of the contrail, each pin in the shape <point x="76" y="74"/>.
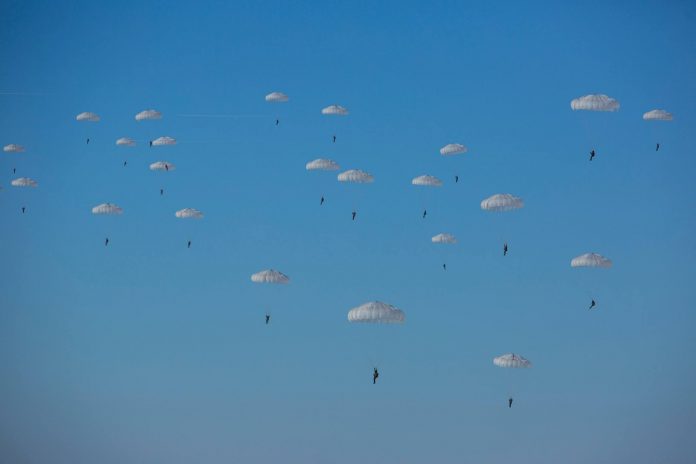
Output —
<point x="219" y="115"/>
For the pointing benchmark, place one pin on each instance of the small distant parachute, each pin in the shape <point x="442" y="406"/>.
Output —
<point x="13" y="148"/>
<point x="512" y="360"/>
<point x="277" y="97"/>
<point x="322" y="164"/>
<point x="162" y="166"/>
<point x="24" y="182"/>
<point x="270" y="276"/>
<point x="125" y="142"/>
<point x="148" y="115"/>
<point x="164" y="141"/>
<point x="107" y="208"/>
<point x="591" y="260"/>
<point x="189" y="213"/>
<point x="87" y="116"/>
<point x="657" y="115"/>
<point x="595" y="102"/>
<point x="335" y="110"/>
<point x="444" y="238"/>
<point x="452" y="149"/>
<point x="502" y="202"/>
<point x="356" y="176"/>
<point x="376" y="312"/>
<point x="428" y="181"/>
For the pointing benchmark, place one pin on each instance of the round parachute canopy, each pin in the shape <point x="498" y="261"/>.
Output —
<point x="444" y="238"/>
<point x="322" y="164"/>
<point x="277" y="97"/>
<point x="13" y="148"/>
<point x="376" y="312"/>
<point x="107" y="208"/>
<point x="453" y="149"/>
<point x="87" y="116"/>
<point x="356" y="176"/>
<point x="591" y="260"/>
<point x="335" y="109"/>
<point x="164" y="141"/>
<point x="147" y="115"/>
<point x="657" y="115"/>
<point x="596" y="102"/>
<point x="512" y="360"/>
<point x="125" y="142"/>
<point x="427" y="181"/>
<point x="162" y="166"/>
<point x="189" y="213"/>
<point x="270" y="276"/>
<point x="502" y="202"/>
<point x="24" y="182"/>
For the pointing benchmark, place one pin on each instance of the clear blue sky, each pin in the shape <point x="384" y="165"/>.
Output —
<point x="147" y="352"/>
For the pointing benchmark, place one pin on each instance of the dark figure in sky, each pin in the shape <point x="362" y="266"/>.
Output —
<point x="277" y="121"/>
<point x="509" y="402"/>
<point x="14" y="170"/>
<point x="505" y="249"/>
<point x="334" y="139"/>
<point x="592" y="304"/>
<point x="268" y="318"/>
<point x="375" y="374"/>
<point x="88" y="141"/>
<point x="444" y="266"/>
<point x="189" y="244"/>
<point x="125" y="163"/>
<point x="592" y="154"/>
<point x="166" y="167"/>
<point x="456" y="179"/>
<point x="354" y="214"/>
<point x="24" y="209"/>
<point x="150" y="142"/>
<point x="106" y="241"/>
<point x="321" y="202"/>
<point x="425" y="213"/>
<point x="657" y="147"/>
<point x="161" y="192"/>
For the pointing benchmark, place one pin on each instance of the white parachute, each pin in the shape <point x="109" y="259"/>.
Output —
<point x="512" y="360"/>
<point x="444" y="238"/>
<point x="87" y="116"/>
<point x="376" y="312"/>
<point x="148" y="115"/>
<point x="657" y="115"/>
<point x="24" y="182"/>
<point x="162" y="166"/>
<point x="453" y="149"/>
<point x="335" y="110"/>
<point x="13" y="148"/>
<point x="189" y="213"/>
<point x="502" y="202"/>
<point x="322" y="164"/>
<point x="277" y="97"/>
<point x="270" y="276"/>
<point x="595" y="102"/>
<point x="125" y="142"/>
<point x="356" y="176"/>
<point x="427" y="181"/>
<point x="165" y="140"/>
<point x="591" y="260"/>
<point x="107" y="208"/>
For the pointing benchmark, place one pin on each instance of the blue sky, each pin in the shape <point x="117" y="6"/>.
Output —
<point x="148" y="352"/>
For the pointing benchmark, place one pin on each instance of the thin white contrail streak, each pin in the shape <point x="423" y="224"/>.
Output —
<point x="219" y="115"/>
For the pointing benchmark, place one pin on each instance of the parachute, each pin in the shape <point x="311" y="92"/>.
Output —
<point x="429" y="181"/>
<point x="657" y="115"/>
<point x="452" y="149"/>
<point x="148" y="114"/>
<point x="13" y="148"/>
<point x="277" y="97"/>
<point x="87" y="116"/>
<point x="502" y="202"/>
<point x="376" y="312"/>
<point x="444" y="238"/>
<point x="512" y="360"/>
<point x="591" y="260"/>
<point x="270" y="276"/>
<point x="24" y="182"/>
<point x="162" y="166"/>
<point x="164" y="141"/>
<point x="322" y="164"/>
<point x="125" y="142"/>
<point x="597" y="102"/>
<point x="335" y="110"/>
<point x="356" y="176"/>
<point x="107" y="208"/>
<point x="189" y="213"/>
